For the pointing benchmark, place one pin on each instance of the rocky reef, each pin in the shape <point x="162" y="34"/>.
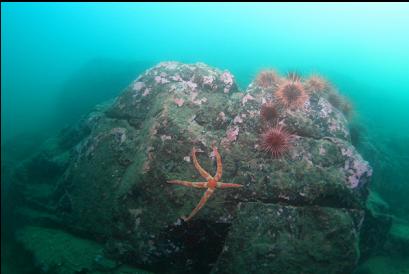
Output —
<point x="299" y="211"/>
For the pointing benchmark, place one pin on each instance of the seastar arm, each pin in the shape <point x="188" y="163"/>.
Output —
<point x="202" y="172"/>
<point x="189" y="184"/>
<point x="202" y="202"/>
<point x="228" y="185"/>
<point x="218" y="175"/>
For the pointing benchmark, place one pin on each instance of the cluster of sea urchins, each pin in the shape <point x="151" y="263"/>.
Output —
<point x="275" y="140"/>
<point x="291" y="92"/>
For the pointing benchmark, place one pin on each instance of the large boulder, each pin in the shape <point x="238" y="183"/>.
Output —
<point x="110" y="171"/>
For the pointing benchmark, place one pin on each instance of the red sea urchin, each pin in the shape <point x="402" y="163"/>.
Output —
<point x="291" y="94"/>
<point x="316" y="83"/>
<point x="293" y="76"/>
<point x="335" y="99"/>
<point x="268" y="112"/>
<point x="267" y="78"/>
<point x="346" y="108"/>
<point x="276" y="141"/>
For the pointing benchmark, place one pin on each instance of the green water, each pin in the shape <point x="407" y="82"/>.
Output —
<point x="59" y="60"/>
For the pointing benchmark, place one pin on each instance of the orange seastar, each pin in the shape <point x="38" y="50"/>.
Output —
<point x="211" y="184"/>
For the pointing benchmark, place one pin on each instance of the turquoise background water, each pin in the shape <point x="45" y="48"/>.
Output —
<point x="362" y="48"/>
<point x="59" y="60"/>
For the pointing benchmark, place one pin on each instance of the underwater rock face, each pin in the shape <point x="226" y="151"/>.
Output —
<point x="271" y="238"/>
<point x="113" y="183"/>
